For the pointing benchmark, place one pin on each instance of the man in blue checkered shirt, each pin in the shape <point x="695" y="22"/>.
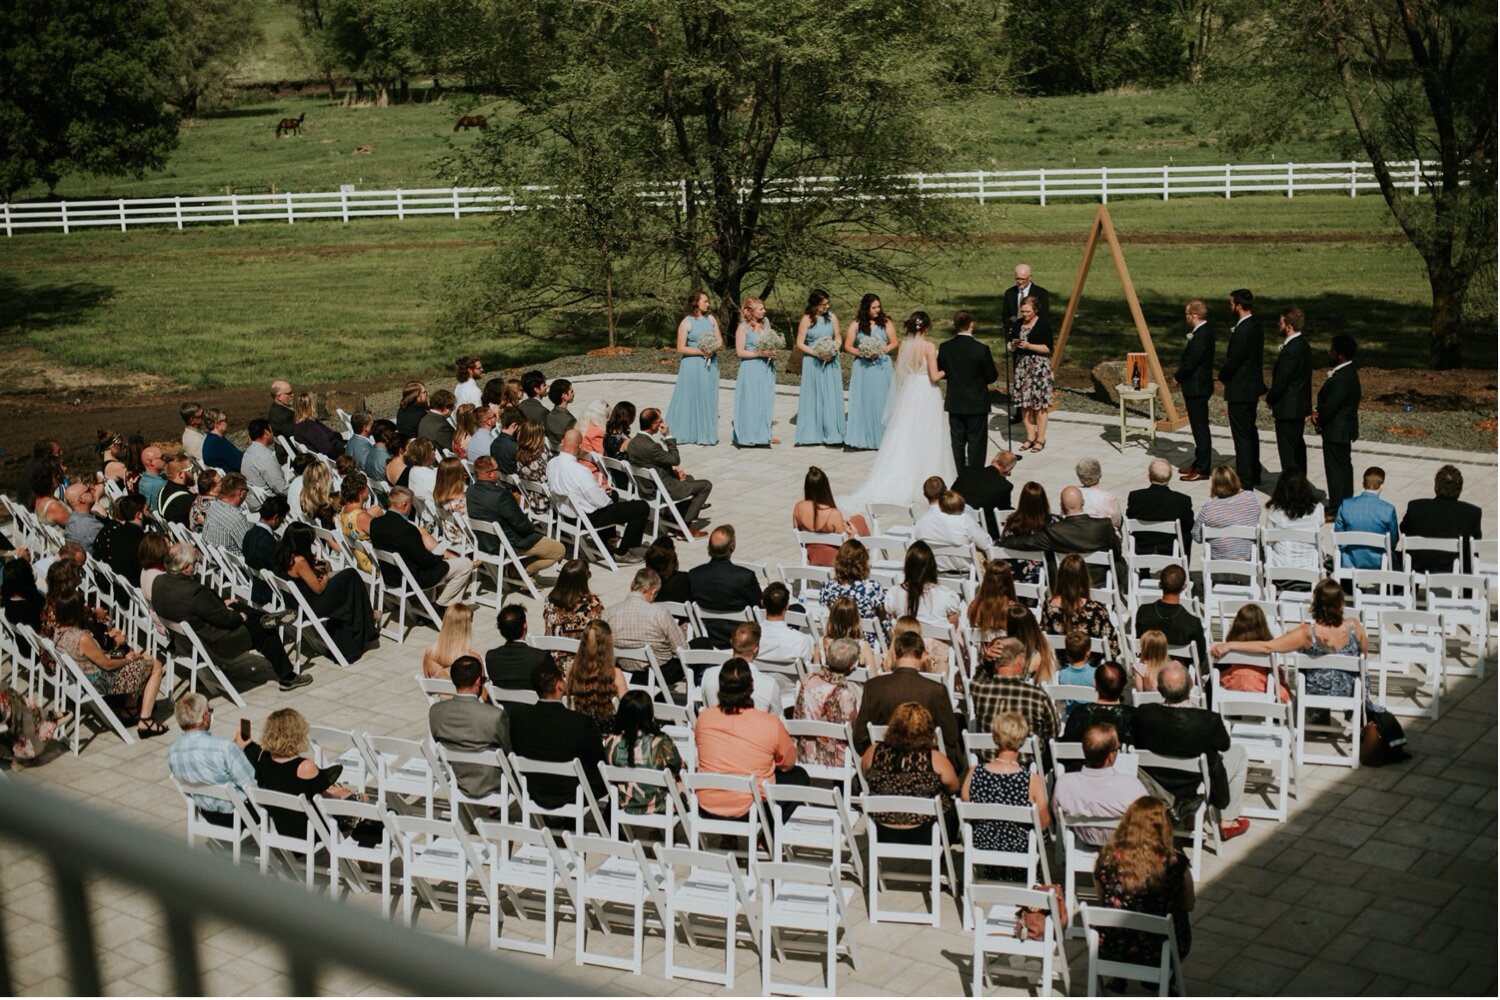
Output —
<point x="205" y="759"/>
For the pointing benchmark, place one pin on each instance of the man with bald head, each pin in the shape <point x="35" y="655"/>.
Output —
<point x="1097" y="791"/>
<point x="83" y="524"/>
<point x="154" y="478"/>
<point x="280" y="414"/>
<point x="720" y="585"/>
<point x="1159" y="502"/>
<point x="584" y="494"/>
<point x="1076" y="532"/>
<point x="1174" y="728"/>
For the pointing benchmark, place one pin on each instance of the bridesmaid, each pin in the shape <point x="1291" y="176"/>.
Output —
<point x="755" y="389"/>
<point x="820" y="407"/>
<point x="694" y="411"/>
<point x="870" y="378"/>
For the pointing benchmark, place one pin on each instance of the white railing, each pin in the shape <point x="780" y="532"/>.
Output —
<point x="1102" y="184"/>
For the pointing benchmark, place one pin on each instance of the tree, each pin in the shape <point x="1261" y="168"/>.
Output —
<point x="1086" y="46"/>
<point x="83" y="88"/>
<point x="718" y="108"/>
<point x="209" y="37"/>
<point x="1418" y="80"/>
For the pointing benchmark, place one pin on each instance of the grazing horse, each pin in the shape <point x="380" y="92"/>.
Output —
<point x="471" y="121"/>
<point x="290" y="126"/>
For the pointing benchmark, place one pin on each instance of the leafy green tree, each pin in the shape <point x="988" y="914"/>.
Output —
<point x="769" y="137"/>
<point x="1085" y="46"/>
<point x="83" y="89"/>
<point x="209" y="37"/>
<point x="1418" y="80"/>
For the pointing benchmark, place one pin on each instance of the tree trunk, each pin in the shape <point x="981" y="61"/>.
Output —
<point x="609" y="302"/>
<point x="1448" y="291"/>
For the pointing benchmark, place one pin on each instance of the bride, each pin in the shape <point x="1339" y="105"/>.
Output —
<point x="915" y="445"/>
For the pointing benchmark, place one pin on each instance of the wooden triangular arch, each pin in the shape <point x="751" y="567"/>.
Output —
<point x="1102" y="224"/>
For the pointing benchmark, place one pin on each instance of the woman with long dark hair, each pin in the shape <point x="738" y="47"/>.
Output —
<point x="340" y="599"/>
<point x="1041" y="662"/>
<point x="922" y="597"/>
<point x="1293" y="506"/>
<point x="571" y="605"/>
<point x="818" y="512"/>
<point x="988" y="611"/>
<point x="870" y="339"/>
<point x="693" y="413"/>
<point x="636" y="740"/>
<point x="820" y="404"/>
<point x="1070" y="606"/>
<point x="1033" y="513"/>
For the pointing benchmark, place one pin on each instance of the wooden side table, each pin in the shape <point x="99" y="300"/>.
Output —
<point x="1146" y="394"/>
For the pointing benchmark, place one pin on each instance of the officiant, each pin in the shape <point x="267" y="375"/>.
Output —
<point x="1031" y="347"/>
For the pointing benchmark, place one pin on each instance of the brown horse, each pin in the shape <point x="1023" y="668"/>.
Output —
<point x="290" y="126"/>
<point x="471" y="121"/>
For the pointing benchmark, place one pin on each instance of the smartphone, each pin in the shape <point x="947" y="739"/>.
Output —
<point x="245" y="730"/>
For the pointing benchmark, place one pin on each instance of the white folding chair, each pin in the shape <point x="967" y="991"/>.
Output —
<point x="72" y="687"/>
<point x="1411" y="639"/>
<point x="1230" y="579"/>
<point x="525" y="859"/>
<point x="705" y="884"/>
<point x="243" y="823"/>
<point x="611" y="872"/>
<point x="435" y="852"/>
<point x="339" y="746"/>
<point x="580" y="809"/>
<point x="568" y="522"/>
<point x="1462" y="600"/>
<point x="1354" y="703"/>
<point x="478" y="805"/>
<point x="1032" y="862"/>
<point x="834" y="734"/>
<point x="821" y="823"/>
<point x="402" y="769"/>
<point x="1264" y="729"/>
<point x="993" y="912"/>
<point x="292" y="597"/>
<point x="1244" y="532"/>
<point x="498" y="562"/>
<point x="618" y="781"/>
<point x="1132" y="529"/>
<point x="651" y="488"/>
<point x="404" y="591"/>
<point x="935" y="853"/>
<point x="1166" y="976"/>
<point x="1452" y="548"/>
<point x="1204" y="815"/>
<point x="804" y="898"/>
<point x="703" y="823"/>
<point x="192" y="657"/>
<point x="346" y="856"/>
<point x="312" y="841"/>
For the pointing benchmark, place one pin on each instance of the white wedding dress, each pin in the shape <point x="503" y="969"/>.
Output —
<point x="916" y="444"/>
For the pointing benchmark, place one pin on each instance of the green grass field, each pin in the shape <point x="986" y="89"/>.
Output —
<point x="238" y="150"/>
<point x="217" y="306"/>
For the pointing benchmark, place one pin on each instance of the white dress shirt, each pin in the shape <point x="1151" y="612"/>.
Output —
<point x="766" y="695"/>
<point x="567" y="476"/>
<point x="936" y="528"/>
<point x="467" y="392"/>
<point x="780" y="642"/>
<point x="932" y="609"/>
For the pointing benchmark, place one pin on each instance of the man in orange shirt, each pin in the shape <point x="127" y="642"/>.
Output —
<point x="735" y="737"/>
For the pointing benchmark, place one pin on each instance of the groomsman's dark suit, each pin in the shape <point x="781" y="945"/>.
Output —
<point x="1290" y="400"/>
<point x="1195" y="374"/>
<point x="1337" y="418"/>
<point x="1243" y="375"/>
<point x="970" y="368"/>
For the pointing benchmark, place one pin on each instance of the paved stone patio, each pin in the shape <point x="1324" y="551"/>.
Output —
<point x="1382" y="882"/>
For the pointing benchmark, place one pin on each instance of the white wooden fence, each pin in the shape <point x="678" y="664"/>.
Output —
<point x="1102" y="184"/>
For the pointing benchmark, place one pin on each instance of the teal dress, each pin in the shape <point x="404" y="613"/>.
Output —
<point x="820" y="407"/>
<point x="754" y="397"/>
<point x="694" y="411"/>
<point x="869" y="385"/>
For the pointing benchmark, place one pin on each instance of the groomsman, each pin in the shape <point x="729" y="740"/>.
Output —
<point x="1290" y="397"/>
<point x="1010" y="312"/>
<point x="1195" y="377"/>
<point x="1337" y="419"/>
<point x="1243" y="375"/>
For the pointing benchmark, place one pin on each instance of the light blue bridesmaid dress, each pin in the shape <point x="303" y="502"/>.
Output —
<point x="820" y="406"/>
<point x="693" y="413"/>
<point x="869" y="385"/>
<point x="754" y="397"/>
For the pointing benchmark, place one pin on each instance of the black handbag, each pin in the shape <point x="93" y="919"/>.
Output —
<point x="1382" y="740"/>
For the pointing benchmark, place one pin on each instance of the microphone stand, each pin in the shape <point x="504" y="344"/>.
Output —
<point x="1010" y="399"/>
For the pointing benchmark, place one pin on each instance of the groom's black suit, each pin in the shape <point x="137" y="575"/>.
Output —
<point x="969" y="368"/>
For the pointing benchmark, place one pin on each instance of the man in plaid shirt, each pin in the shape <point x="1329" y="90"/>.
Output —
<point x="205" y="759"/>
<point x="1000" y="685"/>
<point x="638" y="621"/>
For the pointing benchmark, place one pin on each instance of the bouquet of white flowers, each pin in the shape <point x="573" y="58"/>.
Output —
<point x="871" y="348"/>
<point x="710" y="344"/>
<point x="824" y="348"/>
<point x="769" y="340"/>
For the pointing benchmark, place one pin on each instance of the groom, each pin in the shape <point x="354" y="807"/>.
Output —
<point x="969" y="368"/>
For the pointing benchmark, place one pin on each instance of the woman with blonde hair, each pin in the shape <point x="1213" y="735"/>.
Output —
<point x="755" y="387"/>
<point x="1141" y="869"/>
<point x="1151" y="656"/>
<point x="1041" y="661"/>
<point x="901" y="626"/>
<point x="312" y="432"/>
<point x="449" y="498"/>
<point x="412" y="409"/>
<point x="594" y="682"/>
<point x="907" y="762"/>
<point x="421" y="460"/>
<point x="316" y="500"/>
<point x="280" y="765"/>
<point x="454" y="639"/>
<point x="1229" y="505"/>
<point x="511" y="394"/>
<point x="843" y="623"/>
<point x="1004" y="780"/>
